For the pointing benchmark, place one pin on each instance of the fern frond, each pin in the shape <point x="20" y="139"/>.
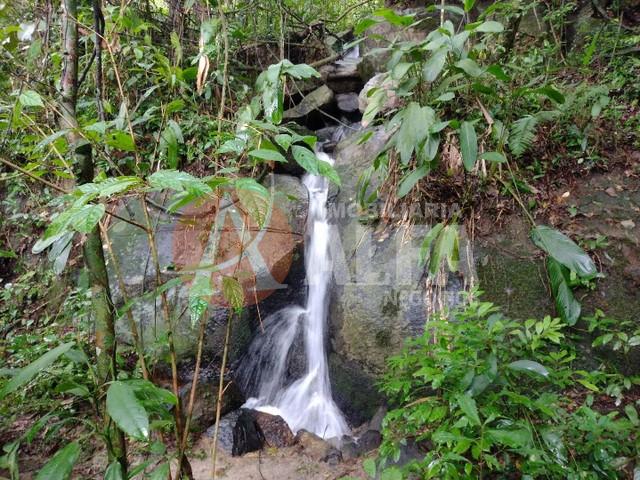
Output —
<point x="522" y="134"/>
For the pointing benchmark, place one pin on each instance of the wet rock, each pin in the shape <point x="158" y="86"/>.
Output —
<point x="368" y="441"/>
<point x="314" y="446"/>
<point x="378" y="289"/>
<point x="349" y="449"/>
<point x="247" y="435"/>
<point x="342" y="76"/>
<point x="275" y="430"/>
<point x="348" y="102"/>
<point x="315" y="100"/>
<point x="225" y="431"/>
<point x="376" y="421"/>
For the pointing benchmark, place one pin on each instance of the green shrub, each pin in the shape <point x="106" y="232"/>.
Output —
<point x="485" y="396"/>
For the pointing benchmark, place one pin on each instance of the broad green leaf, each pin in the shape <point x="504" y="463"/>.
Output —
<point x="113" y="185"/>
<point x="369" y="467"/>
<point x="26" y="374"/>
<point x="160" y="473"/>
<point x="199" y="296"/>
<point x="114" y="471"/>
<point x="120" y="140"/>
<point x="363" y="25"/>
<point x="469" y="408"/>
<point x="178" y="181"/>
<point x="434" y="65"/>
<point x="391" y="473"/>
<point x="428" y="240"/>
<point x="87" y="217"/>
<point x="566" y="305"/>
<point x="233" y="292"/>
<point x="446" y="247"/>
<point x="468" y="145"/>
<point x="306" y="159"/>
<point x="61" y="464"/>
<point x="516" y="438"/>
<point x="468" y="5"/>
<point x="255" y="198"/>
<point x="496" y="71"/>
<point x="469" y="67"/>
<point x="268" y="155"/>
<point x="564" y="250"/>
<point x="529" y="366"/>
<point x="400" y="70"/>
<point x="51" y="138"/>
<point x="551" y="93"/>
<point x="376" y="99"/>
<point x="553" y="441"/>
<point x="29" y="98"/>
<point x="284" y="140"/>
<point x="445" y="97"/>
<point x="632" y="413"/>
<point x="495" y="157"/>
<point x="300" y="71"/>
<point x="490" y="26"/>
<point x="416" y="122"/>
<point x="326" y="170"/>
<point x="410" y="180"/>
<point x="393" y="18"/>
<point x="127" y="411"/>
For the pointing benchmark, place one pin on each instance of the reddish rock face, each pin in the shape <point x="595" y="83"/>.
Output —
<point x="275" y="430"/>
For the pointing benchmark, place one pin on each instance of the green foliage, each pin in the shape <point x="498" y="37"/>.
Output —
<point x="27" y="373"/>
<point x="487" y="395"/>
<point x="61" y="464"/>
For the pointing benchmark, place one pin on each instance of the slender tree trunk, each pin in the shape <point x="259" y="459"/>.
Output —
<point x="102" y="304"/>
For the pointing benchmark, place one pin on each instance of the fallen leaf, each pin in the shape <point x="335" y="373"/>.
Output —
<point x="628" y="224"/>
<point x="611" y="192"/>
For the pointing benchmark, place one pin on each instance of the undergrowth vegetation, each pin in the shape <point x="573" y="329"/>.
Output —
<point x="106" y="102"/>
<point x="480" y="395"/>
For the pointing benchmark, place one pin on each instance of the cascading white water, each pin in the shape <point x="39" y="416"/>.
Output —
<point x="307" y="402"/>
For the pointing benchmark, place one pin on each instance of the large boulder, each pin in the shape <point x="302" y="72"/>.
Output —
<point x="320" y="97"/>
<point x="268" y="256"/>
<point x="380" y="295"/>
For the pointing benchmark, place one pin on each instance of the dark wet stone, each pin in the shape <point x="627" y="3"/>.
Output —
<point x="368" y="441"/>
<point x="247" y="435"/>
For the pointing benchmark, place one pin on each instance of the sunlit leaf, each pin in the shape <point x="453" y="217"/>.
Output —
<point x="127" y="411"/>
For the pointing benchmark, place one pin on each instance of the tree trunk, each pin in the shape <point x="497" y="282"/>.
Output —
<point x="102" y="304"/>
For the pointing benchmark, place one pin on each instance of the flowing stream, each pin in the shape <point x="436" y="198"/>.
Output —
<point x="306" y="403"/>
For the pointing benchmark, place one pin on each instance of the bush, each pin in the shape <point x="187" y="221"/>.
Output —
<point x="485" y="396"/>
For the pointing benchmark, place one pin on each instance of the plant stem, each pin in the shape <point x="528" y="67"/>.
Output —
<point x="183" y="464"/>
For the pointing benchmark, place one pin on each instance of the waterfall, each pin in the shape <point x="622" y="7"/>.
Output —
<point x="307" y="402"/>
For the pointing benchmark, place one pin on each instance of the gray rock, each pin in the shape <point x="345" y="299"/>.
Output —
<point x="376" y="422"/>
<point x="320" y="97"/>
<point x="378" y="290"/>
<point x="225" y="431"/>
<point x="348" y="102"/>
<point x="181" y="240"/>
<point x="314" y="446"/>
<point x="368" y="441"/>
